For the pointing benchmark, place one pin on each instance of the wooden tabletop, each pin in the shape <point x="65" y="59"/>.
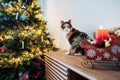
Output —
<point x="74" y="64"/>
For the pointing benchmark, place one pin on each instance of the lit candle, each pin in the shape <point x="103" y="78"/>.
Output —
<point x="22" y="44"/>
<point x="101" y="34"/>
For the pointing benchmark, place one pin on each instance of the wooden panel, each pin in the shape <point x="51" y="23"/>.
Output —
<point x="57" y="68"/>
<point x="56" y="63"/>
<point x="55" y="71"/>
<point x="50" y="75"/>
<point x="53" y="74"/>
<point x="74" y="64"/>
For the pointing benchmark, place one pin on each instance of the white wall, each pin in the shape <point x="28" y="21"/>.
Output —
<point x="86" y="15"/>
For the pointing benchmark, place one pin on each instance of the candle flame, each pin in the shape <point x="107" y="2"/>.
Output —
<point x="100" y="27"/>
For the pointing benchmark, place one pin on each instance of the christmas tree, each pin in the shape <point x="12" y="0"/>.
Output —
<point x="23" y="39"/>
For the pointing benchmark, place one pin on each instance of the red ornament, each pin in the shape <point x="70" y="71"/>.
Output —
<point x="39" y="63"/>
<point x="113" y="37"/>
<point x="19" y="9"/>
<point x="38" y="73"/>
<point x="2" y="49"/>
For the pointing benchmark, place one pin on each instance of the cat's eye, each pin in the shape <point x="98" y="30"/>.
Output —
<point x="63" y="27"/>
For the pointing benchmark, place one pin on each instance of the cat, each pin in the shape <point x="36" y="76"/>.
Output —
<point x="71" y="35"/>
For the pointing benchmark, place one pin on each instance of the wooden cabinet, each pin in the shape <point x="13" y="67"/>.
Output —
<point x="59" y="66"/>
<point x="56" y="71"/>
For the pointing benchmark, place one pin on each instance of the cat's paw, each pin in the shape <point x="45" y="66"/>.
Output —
<point x="78" y="54"/>
<point x="67" y="53"/>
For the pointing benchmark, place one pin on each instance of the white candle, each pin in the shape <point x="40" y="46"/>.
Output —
<point x="42" y="38"/>
<point x="22" y="44"/>
<point x="16" y="15"/>
<point x="32" y="5"/>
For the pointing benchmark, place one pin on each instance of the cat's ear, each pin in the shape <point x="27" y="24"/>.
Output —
<point x="69" y="21"/>
<point x="62" y="21"/>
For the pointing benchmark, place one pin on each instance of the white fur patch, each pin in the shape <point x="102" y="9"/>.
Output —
<point x="68" y="45"/>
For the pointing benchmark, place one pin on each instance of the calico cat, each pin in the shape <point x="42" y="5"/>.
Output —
<point x="73" y="36"/>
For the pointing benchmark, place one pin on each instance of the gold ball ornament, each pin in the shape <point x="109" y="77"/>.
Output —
<point x="1" y="39"/>
<point x="40" y="32"/>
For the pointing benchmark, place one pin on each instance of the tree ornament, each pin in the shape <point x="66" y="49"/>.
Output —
<point x="23" y="44"/>
<point x="10" y="3"/>
<point x="31" y="33"/>
<point x="17" y="14"/>
<point x="26" y="27"/>
<point x="23" y="17"/>
<point x="1" y="14"/>
<point x="4" y="4"/>
<point x="32" y="5"/>
<point x="2" y="49"/>
<point x="42" y="38"/>
<point x="19" y="9"/>
<point x="26" y="13"/>
<point x="24" y="6"/>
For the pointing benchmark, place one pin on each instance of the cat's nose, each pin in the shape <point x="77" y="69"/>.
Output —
<point x="65" y="29"/>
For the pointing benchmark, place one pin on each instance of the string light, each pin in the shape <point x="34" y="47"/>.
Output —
<point x="23" y="39"/>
